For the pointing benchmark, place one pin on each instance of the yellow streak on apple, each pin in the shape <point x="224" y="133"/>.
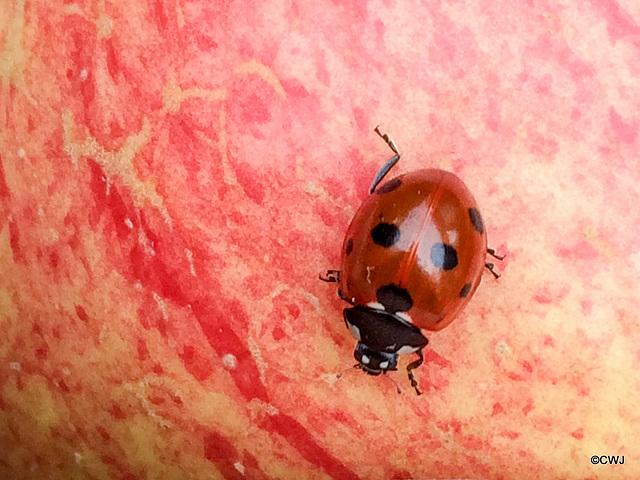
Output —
<point x="253" y="67"/>
<point x="12" y="57"/>
<point x="116" y="164"/>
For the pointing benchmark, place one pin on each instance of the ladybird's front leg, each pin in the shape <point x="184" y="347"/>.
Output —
<point x="332" y="276"/>
<point x="343" y="297"/>
<point x="412" y="366"/>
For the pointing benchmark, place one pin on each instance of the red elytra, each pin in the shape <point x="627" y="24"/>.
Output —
<point x="412" y="258"/>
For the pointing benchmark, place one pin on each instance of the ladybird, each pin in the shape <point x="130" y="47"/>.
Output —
<point x="412" y="258"/>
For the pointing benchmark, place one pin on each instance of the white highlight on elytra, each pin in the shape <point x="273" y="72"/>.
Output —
<point x="15" y="366"/>
<point x="453" y="236"/>
<point x="128" y="222"/>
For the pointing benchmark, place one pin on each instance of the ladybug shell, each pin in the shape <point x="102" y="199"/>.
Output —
<point x="416" y="245"/>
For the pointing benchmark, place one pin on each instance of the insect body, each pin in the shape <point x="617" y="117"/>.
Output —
<point x="412" y="258"/>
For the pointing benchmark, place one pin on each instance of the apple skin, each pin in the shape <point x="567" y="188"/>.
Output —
<point x="175" y="175"/>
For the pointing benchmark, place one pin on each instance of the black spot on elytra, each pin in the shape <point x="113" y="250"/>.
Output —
<point x="444" y="256"/>
<point x="466" y="288"/>
<point x="394" y="298"/>
<point x="349" y="247"/>
<point x="390" y="186"/>
<point x="385" y="234"/>
<point x="476" y="220"/>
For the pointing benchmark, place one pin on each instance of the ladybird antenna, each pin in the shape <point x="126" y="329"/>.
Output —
<point x="398" y="389"/>
<point x="355" y="367"/>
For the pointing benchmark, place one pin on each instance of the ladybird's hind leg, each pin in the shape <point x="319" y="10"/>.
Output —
<point x="332" y="276"/>
<point x="412" y="366"/>
<point x="389" y="164"/>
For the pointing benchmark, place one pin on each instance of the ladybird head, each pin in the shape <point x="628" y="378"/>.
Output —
<point x="382" y="336"/>
<point x="374" y="362"/>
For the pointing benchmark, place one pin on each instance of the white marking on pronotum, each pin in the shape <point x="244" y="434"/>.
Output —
<point x="375" y="305"/>
<point x="366" y="360"/>
<point x="405" y="349"/>
<point x="405" y="316"/>
<point x="355" y="331"/>
<point x="384" y="365"/>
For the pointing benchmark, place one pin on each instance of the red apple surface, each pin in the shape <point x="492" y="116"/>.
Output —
<point x="175" y="175"/>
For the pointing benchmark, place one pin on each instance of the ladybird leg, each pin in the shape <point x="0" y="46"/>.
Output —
<point x="344" y="297"/>
<point x="387" y="139"/>
<point x="492" y="252"/>
<point x="356" y="366"/>
<point x="332" y="276"/>
<point x="490" y="267"/>
<point x="389" y="164"/>
<point x="412" y="366"/>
